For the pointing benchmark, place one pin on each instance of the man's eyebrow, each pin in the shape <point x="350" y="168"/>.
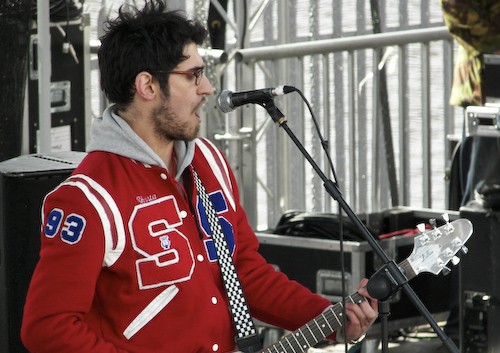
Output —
<point x="196" y="68"/>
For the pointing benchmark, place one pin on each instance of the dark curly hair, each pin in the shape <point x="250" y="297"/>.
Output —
<point x="149" y="39"/>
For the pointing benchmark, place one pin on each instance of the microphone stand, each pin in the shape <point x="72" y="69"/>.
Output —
<point x="388" y="279"/>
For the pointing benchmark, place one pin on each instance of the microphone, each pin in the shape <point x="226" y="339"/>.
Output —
<point x="228" y="101"/>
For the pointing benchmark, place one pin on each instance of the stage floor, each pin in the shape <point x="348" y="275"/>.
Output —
<point x="421" y="340"/>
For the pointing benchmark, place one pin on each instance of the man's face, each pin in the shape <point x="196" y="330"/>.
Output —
<point x="176" y="117"/>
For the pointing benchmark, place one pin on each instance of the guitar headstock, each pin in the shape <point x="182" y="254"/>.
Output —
<point x="434" y="248"/>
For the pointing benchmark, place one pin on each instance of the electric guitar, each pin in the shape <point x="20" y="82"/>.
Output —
<point x="432" y="251"/>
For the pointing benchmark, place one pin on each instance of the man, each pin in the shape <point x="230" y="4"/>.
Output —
<point x="476" y="28"/>
<point x="127" y="261"/>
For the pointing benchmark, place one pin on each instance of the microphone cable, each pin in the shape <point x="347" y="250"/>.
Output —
<point x="325" y="146"/>
<point x="324" y="143"/>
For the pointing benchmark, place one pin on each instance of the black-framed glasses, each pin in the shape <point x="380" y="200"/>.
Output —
<point x="198" y="73"/>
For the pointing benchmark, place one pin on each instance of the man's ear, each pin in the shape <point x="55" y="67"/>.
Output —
<point x="145" y="86"/>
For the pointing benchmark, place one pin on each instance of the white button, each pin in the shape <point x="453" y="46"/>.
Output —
<point x="183" y="214"/>
<point x="214" y="300"/>
<point x="215" y="347"/>
<point x="200" y="257"/>
<point x="163" y="176"/>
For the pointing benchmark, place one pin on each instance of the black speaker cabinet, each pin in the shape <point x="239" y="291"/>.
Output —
<point x="480" y="282"/>
<point x="24" y="182"/>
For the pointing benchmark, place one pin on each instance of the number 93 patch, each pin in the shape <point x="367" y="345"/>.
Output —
<point x="70" y="228"/>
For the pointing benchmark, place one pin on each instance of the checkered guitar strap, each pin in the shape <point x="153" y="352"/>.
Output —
<point x="246" y="334"/>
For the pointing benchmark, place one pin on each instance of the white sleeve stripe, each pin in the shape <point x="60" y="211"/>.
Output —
<point x="108" y="212"/>
<point x="100" y="210"/>
<point x="150" y="311"/>
<point x="217" y="171"/>
<point x="221" y="160"/>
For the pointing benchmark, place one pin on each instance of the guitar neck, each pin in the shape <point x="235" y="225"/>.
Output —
<point x="314" y="331"/>
<point x="322" y="325"/>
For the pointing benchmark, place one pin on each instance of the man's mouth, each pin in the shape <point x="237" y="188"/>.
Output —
<point x="199" y="107"/>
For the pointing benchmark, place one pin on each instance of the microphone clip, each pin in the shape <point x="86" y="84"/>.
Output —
<point x="273" y="111"/>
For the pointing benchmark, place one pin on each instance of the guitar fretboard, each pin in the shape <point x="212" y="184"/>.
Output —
<point x="322" y="325"/>
<point x="315" y="330"/>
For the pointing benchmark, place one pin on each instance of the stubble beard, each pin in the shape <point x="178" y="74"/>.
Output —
<point x="168" y="125"/>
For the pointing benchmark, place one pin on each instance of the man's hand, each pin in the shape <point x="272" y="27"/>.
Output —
<point x="360" y="316"/>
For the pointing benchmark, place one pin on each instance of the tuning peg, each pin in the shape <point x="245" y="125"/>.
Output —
<point x="446" y="270"/>
<point x="424" y="237"/>
<point x="436" y="233"/>
<point x="464" y="249"/>
<point x="449" y="227"/>
<point x="455" y="260"/>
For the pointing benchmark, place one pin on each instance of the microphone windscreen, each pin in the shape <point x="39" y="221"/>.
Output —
<point x="224" y="101"/>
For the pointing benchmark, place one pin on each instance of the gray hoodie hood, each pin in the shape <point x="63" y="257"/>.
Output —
<point x="110" y="133"/>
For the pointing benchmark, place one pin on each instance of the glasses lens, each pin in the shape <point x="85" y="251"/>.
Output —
<point x="198" y="74"/>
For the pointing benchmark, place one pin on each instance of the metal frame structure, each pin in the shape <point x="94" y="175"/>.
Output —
<point x="343" y="72"/>
<point x="386" y="153"/>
